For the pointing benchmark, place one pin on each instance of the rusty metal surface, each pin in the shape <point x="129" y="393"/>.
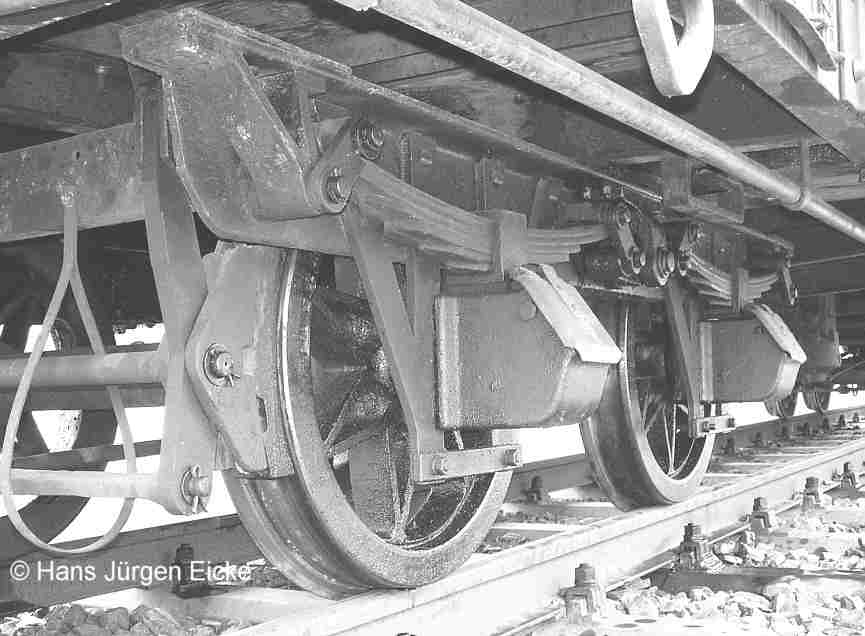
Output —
<point x="474" y="31"/>
<point x="221" y="360"/>
<point x="58" y="371"/>
<point x="189" y="440"/>
<point x="102" y="168"/>
<point x="501" y="365"/>
<point x="21" y="16"/>
<point x="741" y="363"/>
<point x="756" y="40"/>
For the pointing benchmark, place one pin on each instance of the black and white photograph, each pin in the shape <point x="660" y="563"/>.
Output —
<point x="432" y="317"/>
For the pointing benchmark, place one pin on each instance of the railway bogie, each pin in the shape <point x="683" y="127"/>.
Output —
<point x="365" y="295"/>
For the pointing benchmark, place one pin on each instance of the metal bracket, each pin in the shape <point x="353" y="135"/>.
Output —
<point x="682" y="316"/>
<point x="181" y="286"/>
<point x="407" y="332"/>
<point x="677" y="64"/>
<point x="569" y="315"/>
<point x="220" y="353"/>
<point x="332" y="178"/>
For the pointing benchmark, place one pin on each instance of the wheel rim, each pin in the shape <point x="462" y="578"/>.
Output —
<point x="48" y="516"/>
<point x="817" y="401"/>
<point x="785" y="407"/>
<point x="346" y="546"/>
<point x="639" y="442"/>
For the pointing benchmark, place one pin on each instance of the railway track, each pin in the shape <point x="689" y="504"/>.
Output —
<point x="509" y="591"/>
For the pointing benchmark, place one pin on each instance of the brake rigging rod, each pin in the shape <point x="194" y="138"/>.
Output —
<point x="484" y="36"/>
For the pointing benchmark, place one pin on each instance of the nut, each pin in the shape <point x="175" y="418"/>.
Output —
<point x="440" y="465"/>
<point x="513" y="457"/>
<point x="369" y="140"/>
<point x="336" y="187"/>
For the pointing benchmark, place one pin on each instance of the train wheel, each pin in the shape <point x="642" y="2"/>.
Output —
<point x="25" y="296"/>
<point x="817" y="401"/>
<point x="638" y="442"/>
<point x="349" y="518"/>
<point x="785" y="407"/>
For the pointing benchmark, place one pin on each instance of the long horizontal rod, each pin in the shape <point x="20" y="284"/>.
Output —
<point x="84" y="483"/>
<point x="85" y="457"/>
<point x="57" y="371"/>
<point x="478" y="33"/>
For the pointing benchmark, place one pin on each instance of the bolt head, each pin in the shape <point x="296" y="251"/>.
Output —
<point x="440" y="465"/>
<point x="336" y="187"/>
<point x="638" y="259"/>
<point x="219" y="365"/>
<point x="528" y="310"/>
<point x="513" y="457"/>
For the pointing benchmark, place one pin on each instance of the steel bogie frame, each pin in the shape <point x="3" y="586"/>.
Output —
<point x="467" y="244"/>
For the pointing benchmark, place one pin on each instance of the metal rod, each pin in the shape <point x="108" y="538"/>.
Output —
<point x="8" y="7"/>
<point x="90" y="399"/>
<point x="478" y="33"/>
<point x="56" y="371"/>
<point x="84" y="483"/>
<point x="85" y="457"/>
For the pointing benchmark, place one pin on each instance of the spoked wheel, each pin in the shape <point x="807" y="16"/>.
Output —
<point x="786" y="407"/>
<point x="817" y="401"/>
<point x="349" y="518"/>
<point x="638" y="442"/>
<point x="23" y="305"/>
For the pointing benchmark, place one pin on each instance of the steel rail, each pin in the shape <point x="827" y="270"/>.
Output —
<point x="526" y="578"/>
<point x="478" y="33"/>
<point x="8" y="7"/>
<point x="521" y="580"/>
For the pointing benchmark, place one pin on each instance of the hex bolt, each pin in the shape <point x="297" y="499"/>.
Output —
<point x="694" y="551"/>
<point x="199" y="485"/>
<point x="194" y="487"/>
<point x="440" y="465"/>
<point x="513" y="457"/>
<point x="336" y="187"/>
<point x="666" y="261"/>
<point x="585" y="598"/>
<point x="219" y="366"/>
<point x="536" y="492"/>
<point x="811" y="495"/>
<point x="761" y="518"/>
<point x="528" y="310"/>
<point x="848" y="476"/>
<point x="585" y="574"/>
<point x="683" y="261"/>
<point x="638" y="259"/>
<point x="623" y="216"/>
<point x="369" y="140"/>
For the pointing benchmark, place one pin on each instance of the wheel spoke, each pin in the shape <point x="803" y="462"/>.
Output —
<point x="342" y="329"/>
<point x="673" y="435"/>
<point x="365" y="406"/>
<point x="374" y="490"/>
